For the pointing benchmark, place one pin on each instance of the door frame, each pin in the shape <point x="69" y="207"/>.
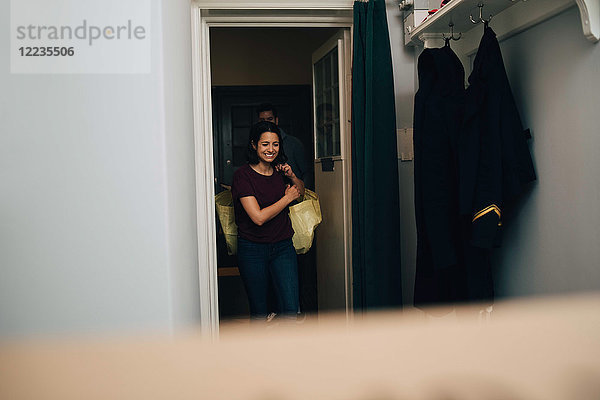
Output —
<point x="206" y="14"/>
<point x="343" y="41"/>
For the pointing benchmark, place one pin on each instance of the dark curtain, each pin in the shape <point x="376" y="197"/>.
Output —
<point x="375" y="199"/>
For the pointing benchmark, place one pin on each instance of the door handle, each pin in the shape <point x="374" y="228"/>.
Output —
<point x="228" y="162"/>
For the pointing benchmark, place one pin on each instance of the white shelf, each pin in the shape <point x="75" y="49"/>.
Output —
<point x="458" y="11"/>
<point x="509" y="18"/>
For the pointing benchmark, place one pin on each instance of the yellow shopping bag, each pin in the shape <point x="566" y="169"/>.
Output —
<point x="224" y="203"/>
<point x="305" y="216"/>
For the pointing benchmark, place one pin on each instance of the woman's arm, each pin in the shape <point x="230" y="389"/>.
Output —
<point x="287" y="171"/>
<point x="260" y="216"/>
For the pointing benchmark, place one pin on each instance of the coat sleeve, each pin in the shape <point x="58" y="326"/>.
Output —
<point x="487" y="202"/>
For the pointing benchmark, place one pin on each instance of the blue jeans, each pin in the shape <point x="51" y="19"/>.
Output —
<point x="259" y="260"/>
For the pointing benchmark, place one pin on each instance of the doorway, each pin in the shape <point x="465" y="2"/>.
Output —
<point x="210" y="27"/>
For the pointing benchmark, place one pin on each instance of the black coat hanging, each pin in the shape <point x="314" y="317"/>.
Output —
<point x="439" y="104"/>
<point x="495" y="162"/>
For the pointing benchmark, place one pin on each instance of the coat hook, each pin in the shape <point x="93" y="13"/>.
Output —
<point x="480" y="5"/>
<point x="447" y="38"/>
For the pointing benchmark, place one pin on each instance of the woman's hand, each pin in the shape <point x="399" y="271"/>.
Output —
<point x="286" y="169"/>
<point x="292" y="192"/>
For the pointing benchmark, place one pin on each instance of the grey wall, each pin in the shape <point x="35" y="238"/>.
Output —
<point x="554" y="246"/>
<point x="97" y="212"/>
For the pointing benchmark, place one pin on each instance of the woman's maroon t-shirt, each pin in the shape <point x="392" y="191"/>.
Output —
<point x="267" y="190"/>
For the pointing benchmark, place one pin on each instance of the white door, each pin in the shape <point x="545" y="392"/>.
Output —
<point x="331" y="107"/>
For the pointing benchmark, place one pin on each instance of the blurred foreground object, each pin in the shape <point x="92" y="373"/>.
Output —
<point x="535" y="349"/>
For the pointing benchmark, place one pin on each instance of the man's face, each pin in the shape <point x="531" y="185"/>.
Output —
<point x="268" y="116"/>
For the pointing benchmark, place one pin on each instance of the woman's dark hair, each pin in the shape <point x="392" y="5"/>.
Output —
<point x="253" y="139"/>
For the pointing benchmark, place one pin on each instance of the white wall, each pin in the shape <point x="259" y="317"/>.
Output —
<point x="180" y="166"/>
<point x="97" y="213"/>
<point x="555" y="245"/>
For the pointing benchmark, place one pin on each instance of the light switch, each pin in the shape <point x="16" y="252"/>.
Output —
<point x="405" y="144"/>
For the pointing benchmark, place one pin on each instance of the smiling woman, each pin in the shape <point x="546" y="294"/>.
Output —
<point x="262" y="191"/>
